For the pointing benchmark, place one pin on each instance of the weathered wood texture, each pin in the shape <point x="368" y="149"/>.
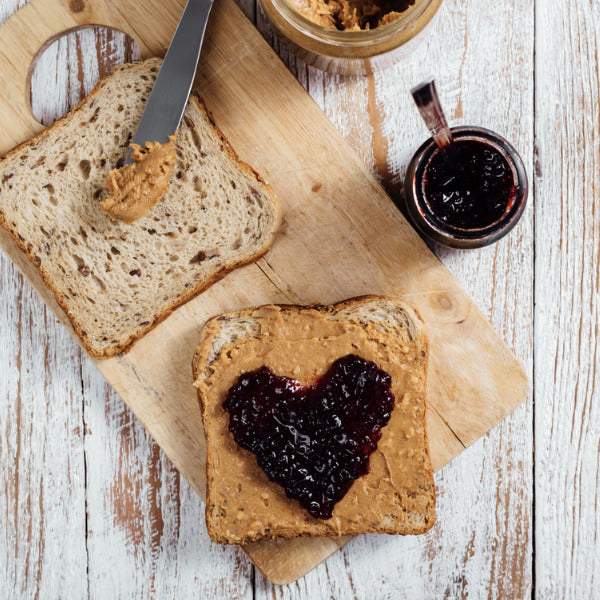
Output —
<point x="567" y="300"/>
<point x="345" y="95"/>
<point x="42" y="464"/>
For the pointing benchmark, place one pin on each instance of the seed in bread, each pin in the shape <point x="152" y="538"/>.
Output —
<point x="395" y="496"/>
<point x="117" y="281"/>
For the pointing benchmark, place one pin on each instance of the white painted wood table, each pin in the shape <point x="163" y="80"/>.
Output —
<point x="89" y="505"/>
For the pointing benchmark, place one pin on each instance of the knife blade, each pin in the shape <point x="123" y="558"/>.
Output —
<point x="173" y="85"/>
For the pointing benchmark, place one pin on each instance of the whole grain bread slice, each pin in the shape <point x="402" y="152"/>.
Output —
<point x="116" y="281"/>
<point x="396" y="496"/>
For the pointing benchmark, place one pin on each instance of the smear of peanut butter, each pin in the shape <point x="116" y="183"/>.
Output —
<point x="137" y="187"/>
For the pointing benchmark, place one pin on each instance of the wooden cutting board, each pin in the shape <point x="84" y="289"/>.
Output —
<point x="341" y="237"/>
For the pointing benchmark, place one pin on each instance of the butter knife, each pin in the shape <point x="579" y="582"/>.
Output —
<point x="173" y="85"/>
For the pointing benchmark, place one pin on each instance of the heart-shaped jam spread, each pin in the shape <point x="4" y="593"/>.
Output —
<point x="313" y="441"/>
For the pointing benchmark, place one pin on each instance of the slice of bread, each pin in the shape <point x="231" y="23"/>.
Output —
<point x="117" y="281"/>
<point x="395" y="496"/>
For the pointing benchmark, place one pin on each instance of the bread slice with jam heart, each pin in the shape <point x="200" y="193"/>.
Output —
<point x="315" y="421"/>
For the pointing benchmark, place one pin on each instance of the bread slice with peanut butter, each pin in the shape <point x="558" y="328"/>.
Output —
<point x="116" y="281"/>
<point x="244" y="504"/>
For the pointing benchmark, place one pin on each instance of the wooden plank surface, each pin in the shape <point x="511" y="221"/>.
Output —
<point x="567" y="295"/>
<point x="491" y="482"/>
<point x="42" y="468"/>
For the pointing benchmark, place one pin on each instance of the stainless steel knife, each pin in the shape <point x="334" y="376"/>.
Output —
<point x="173" y="84"/>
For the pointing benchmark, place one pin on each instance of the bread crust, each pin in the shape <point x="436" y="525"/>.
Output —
<point x="126" y="345"/>
<point x="211" y="329"/>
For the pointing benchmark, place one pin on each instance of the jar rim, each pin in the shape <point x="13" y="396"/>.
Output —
<point x="468" y="238"/>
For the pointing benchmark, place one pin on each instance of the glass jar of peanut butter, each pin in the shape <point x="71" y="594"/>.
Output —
<point x="350" y="37"/>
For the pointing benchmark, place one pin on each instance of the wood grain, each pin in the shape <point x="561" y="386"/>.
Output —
<point x="8" y="7"/>
<point x="70" y="67"/>
<point x="146" y="532"/>
<point x="130" y="551"/>
<point x="42" y="471"/>
<point x="567" y="317"/>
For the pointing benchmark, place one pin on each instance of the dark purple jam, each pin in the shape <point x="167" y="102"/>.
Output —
<point x="475" y="192"/>
<point x="313" y="441"/>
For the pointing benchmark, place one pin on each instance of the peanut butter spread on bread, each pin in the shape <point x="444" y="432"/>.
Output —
<point x="244" y="503"/>
<point x="137" y="187"/>
<point x="351" y="15"/>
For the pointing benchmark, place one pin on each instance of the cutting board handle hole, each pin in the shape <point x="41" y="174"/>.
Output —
<point x="57" y="79"/>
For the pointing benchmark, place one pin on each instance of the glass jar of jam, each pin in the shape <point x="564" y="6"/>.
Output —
<point x="350" y="52"/>
<point x="471" y="198"/>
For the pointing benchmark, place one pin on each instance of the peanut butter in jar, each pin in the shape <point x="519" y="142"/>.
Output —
<point x="351" y="15"/>
<point x="352" y="37"/>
